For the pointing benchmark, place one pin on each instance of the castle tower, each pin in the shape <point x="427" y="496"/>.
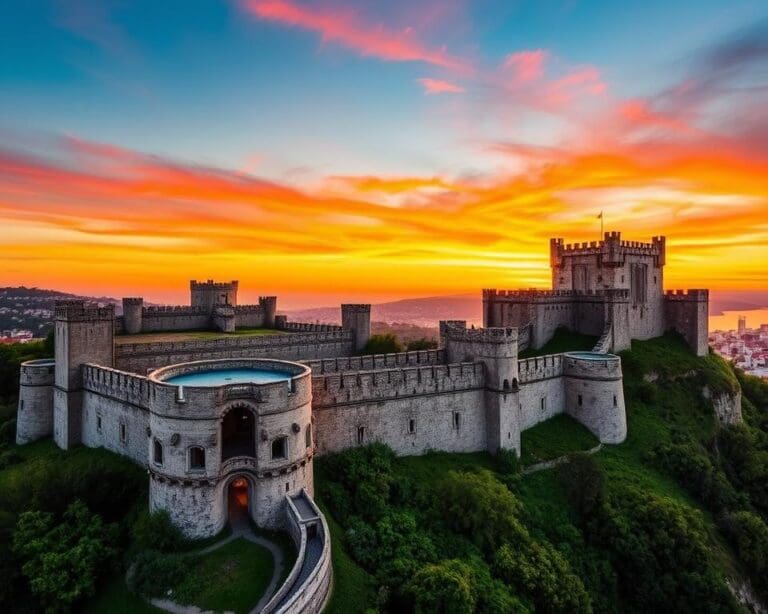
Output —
<point x="82" y="334"/>
<point x="269" y="305"/>
<point x="34" y="418"/>
<point x="208" y="294"/>
<point x="617" y="315"/>
<point x="688" y="314"/>
<point x="496" y="348"/>
<point x="357" y="318"/>
<point x="133" y="309"/>
<point x="594" y="394"/>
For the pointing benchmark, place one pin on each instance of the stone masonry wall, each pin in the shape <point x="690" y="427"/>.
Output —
<point x="142" y="357"/>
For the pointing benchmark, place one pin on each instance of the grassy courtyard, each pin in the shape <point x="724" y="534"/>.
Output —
<point x="564" y="340"/>
<point x="196" y="335"/>
<point x="555" y="437"/>
<point x="232" y="578"/>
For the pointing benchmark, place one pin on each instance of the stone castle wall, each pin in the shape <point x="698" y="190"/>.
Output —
<point x="34" y="417"/>
<point x="142" y="357"/>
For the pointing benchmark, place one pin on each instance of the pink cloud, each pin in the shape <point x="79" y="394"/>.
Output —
<point x="348" y="30"/>
<point x="437" y="86"/>
<point x="586" y="80"/>
<point x="526" y="65"/>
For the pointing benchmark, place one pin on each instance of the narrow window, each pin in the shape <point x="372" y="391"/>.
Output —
<point x="287" y="486"/>
<point x="122" y="433"/>
<point x="98" y="423"/>
<point x="280" y="448"/>
<point x="615" y="401"/>
<point x="158" y="453"/>
<point x="506" y="385"/>
<point x="654" y="279"/>
<point x="543" y="403"/>
<point x="197" y="458"/>
<point x="581" y="401"/>
<point x="360" y="435"/>
<point x="456" y="420"/>
<point x="411" y="426"/>
<point x="21" y="404"/>
<point x="308" y="436"/>
<point x="622" y="279"/>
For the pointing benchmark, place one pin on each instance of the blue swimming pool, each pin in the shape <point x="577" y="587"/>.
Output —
<point x="590" y="355"/>
<point x="222" y="377"/>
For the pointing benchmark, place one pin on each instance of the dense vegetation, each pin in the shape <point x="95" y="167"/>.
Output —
<point x="659" y="522"/>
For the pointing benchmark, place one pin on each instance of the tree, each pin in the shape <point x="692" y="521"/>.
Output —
<point x="63" y="562"/>
<point x="749" y="534"/>
<point x="445" y="587"/>
<point x="421" y="344"/>
<point x="382" y="344"/>
<point x="583" y="481"/>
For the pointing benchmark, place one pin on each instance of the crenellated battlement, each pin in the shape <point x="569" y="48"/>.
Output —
<point x="213" y="285"/>
<point x="694" y="295"/>
<point x="308" y="327"/>
<point x="357" y="307"/>
<point x="483" y="335"/>
<point x="174" y="310"/>
<point x="80" y="311"/>
<point x="343" y="388"/>
<point x="539" y="368"/>
<point x="376" y="361"/>
<point x="133" y="300"/>
<point x="121" y="385"/>
<point x="611" y="250"/>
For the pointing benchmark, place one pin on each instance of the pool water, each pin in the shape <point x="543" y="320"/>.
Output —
<point x="590" y="355"/>
<point x="222" y="377"/>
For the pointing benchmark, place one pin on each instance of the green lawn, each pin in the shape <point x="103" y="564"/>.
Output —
<point x="115" y="598"/>
<point x="564" y="340"/>
<point x="192" y="335"/>
<point x="232" y="578"/>
<point x="555" y="437"/>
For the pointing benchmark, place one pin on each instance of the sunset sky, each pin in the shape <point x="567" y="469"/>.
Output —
<point x="328" y="151"/>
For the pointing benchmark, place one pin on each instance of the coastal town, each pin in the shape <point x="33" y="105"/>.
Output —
<point x="746" y="347"/>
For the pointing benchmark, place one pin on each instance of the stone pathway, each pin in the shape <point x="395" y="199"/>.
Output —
<point x="556" y="462"/>
<point x="240" y="528"/>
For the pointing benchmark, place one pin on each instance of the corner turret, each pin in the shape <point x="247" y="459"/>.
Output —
<point x="357" y="318"/>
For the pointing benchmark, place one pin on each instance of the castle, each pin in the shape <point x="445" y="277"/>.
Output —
<point x="112" y="384"/>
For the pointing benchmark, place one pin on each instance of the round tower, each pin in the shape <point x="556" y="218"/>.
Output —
<point x="357" y="318"/>
<point x="34" y="419"/>
<point x="207" y="439"/>
<point x="594" y="395"/>
<point x="269" y="305"/>
<point x="133" y="308"/>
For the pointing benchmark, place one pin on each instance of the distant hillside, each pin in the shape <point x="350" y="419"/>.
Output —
<point x="420" y="311"/>
<point x="32" y="308"/>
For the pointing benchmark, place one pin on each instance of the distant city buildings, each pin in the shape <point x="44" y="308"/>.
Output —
<point x="16" y="335"/>
<point x="746" y="347"/>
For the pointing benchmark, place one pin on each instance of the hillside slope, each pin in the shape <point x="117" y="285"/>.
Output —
<point x="672" y="519"/>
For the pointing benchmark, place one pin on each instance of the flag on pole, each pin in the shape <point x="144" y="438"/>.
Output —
<point x="600" y="217"/>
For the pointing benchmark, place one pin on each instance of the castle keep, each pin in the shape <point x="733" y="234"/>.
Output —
<point x="114" y="383"/>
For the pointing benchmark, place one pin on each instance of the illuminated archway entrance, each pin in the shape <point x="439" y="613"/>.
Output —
<point x="238" y="501"/>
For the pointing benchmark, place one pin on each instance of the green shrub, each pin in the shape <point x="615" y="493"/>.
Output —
<point x="507" y="461"/>
<point x="421" y="344"/>
<point x="154" y="572"/>
<point x="156" y="532"/>
<point x="382" y="344"/>
<point x="584" y="484"/>
<point x="749" y="535"/>
<point x="64" y="561"/>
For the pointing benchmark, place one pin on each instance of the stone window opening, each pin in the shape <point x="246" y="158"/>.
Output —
<point x="123" y="436"/>
<point x="506" y="385"/>
<point x="411" y="426"/>
<point x="581" y="401"/>
<point x="287" y="486"/>
<point x="280" y="448"/>
<point x="157" y="452"/>
<point x="238" y="433"/>
<point x="308" y="436"/>
<point x="515" y="385"/>
<point x="360" y="435"/>
<point x="543" y="403"/>
<point x="196" y="458"/>
<point x="456" y="420"/>
<point x="615" y="401"/>
<point x="98" y="423"/>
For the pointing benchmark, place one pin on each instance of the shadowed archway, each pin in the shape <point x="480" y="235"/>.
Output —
<point x="238" y="433"/>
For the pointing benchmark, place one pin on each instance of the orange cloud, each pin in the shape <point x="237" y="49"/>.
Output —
<point x="99" y="218"/>
<point x="349" y="31"/>
<point x="437" y="86"/>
